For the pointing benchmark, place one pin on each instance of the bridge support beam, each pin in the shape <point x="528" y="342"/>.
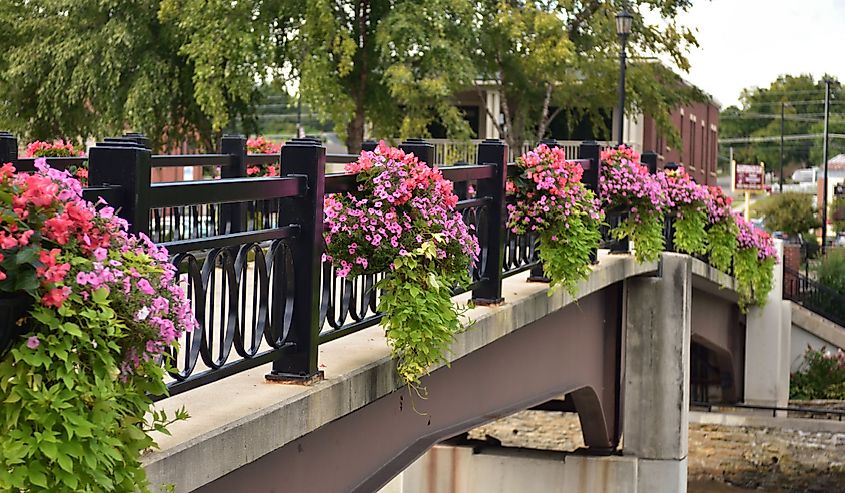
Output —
<point x="657" y="374"/>
<point x="767" y="346"/>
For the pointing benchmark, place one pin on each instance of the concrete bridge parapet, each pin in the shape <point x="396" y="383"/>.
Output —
<point x="627" y="333"/>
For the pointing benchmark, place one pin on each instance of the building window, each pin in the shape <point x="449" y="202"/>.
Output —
<point x="691" y="144"/>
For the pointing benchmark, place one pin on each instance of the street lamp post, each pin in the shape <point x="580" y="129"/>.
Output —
<point x="623" y="29"/>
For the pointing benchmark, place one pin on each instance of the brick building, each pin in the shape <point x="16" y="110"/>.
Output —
<point x="698" y="127"/>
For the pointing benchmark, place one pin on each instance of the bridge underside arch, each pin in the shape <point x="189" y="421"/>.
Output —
<point x="575" y="351"/>
<point x="718" y="348"/>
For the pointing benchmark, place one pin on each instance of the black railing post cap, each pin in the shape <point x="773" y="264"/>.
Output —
<point x="304" y="141"/>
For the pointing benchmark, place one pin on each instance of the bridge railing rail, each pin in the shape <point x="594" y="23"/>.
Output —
<point x="249" y="250"/>
<point x="814" y="296"/>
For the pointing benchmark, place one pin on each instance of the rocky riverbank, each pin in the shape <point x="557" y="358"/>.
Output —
<point x="759" y="458"/>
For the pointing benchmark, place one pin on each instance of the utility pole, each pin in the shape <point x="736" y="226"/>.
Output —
<point x="824" y="156"/>
<point x="782" y="104"/>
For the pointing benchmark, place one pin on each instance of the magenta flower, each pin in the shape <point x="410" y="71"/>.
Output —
<point x="32" y="342"/>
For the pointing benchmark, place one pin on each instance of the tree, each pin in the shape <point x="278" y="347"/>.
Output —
<point x="82" y="68"/>
<point x="563" y="55"/>
<point x="837" y="213"/>
<point x="759" y="115"/>
<point x="391" y="64"/>
<point x="792" y="213"/>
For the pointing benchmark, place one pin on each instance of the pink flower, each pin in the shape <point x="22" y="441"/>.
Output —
<point x="32" y="342"/>
<point x="145" y="287"/>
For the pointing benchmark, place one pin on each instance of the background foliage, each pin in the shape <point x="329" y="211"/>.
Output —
<point x="187" y="70"/>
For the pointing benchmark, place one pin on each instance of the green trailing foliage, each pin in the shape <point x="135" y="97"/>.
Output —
<point x="646" y="231"/>
<point x="69" y="421"/>
<point x="754" y="277"/>
<point x="721" y="244"/>
<point x="566" y="251"/>
<point x="690" y="235"/>
<point x="419" y="318"/>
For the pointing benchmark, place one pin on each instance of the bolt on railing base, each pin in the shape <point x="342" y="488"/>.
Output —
<point x="537" y="274"/>
<point x="294" y="378"/>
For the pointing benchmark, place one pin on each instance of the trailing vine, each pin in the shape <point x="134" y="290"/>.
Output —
<point x="552" y="201"/>
<point x="401" y="219"/>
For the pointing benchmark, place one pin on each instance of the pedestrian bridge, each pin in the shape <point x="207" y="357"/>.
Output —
<point x="619" y="355"/>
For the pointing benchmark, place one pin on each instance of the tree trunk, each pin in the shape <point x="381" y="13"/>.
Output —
<point x="355" y="130"/>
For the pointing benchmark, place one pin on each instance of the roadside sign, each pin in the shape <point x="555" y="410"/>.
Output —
<point x="749" y="177"/>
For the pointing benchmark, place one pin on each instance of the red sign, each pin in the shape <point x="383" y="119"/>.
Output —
<point x="749" y="177"/>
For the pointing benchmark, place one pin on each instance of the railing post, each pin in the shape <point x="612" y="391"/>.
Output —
<point x="128" y="166"/>
<point x="138" y="138"/>
<point x="649" y="159"/>
<point x="233" y="216"/>
<point x="493" y="151"/>
<point x="590" y="150"/>
<point x="669" y="220"/>
<point x="369" y="145"/>
<point x="422" y="149"/>
<point x="297" y="362"/>
<point x="8" y="148"/>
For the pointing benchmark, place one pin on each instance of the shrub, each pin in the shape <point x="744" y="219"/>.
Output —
<point x="790" y="212"/>
<point x="821" y="376"/>
<point x="830" y="270"/>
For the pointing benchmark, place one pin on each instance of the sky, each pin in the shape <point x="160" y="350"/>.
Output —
<point x="745" y="43"/>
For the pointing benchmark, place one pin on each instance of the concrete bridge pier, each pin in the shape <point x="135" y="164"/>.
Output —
<point x="767" y="346"/>
<point x="657" y="375"/>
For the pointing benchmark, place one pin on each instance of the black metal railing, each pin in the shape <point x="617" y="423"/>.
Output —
<point x="814" y="296"/>
<point x="800" y="411"/>
<point x="249" y="250"/>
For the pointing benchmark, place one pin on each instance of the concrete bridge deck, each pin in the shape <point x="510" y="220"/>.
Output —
<point x="241" y="419"/>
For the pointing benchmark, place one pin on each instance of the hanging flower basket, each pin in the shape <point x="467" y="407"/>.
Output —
<point x="88" y="314"/>
<point x="552" y="202"/>
<point x="401" y="220"/>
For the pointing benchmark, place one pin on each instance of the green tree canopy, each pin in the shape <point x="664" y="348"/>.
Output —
<point x="564" y="55"/>
<point x="759" y="115"/>
<point x="80" y="68"/>
<point x="188" y="69"/>
<point x="791" y="212"/>
<point x="391" y="64"/>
